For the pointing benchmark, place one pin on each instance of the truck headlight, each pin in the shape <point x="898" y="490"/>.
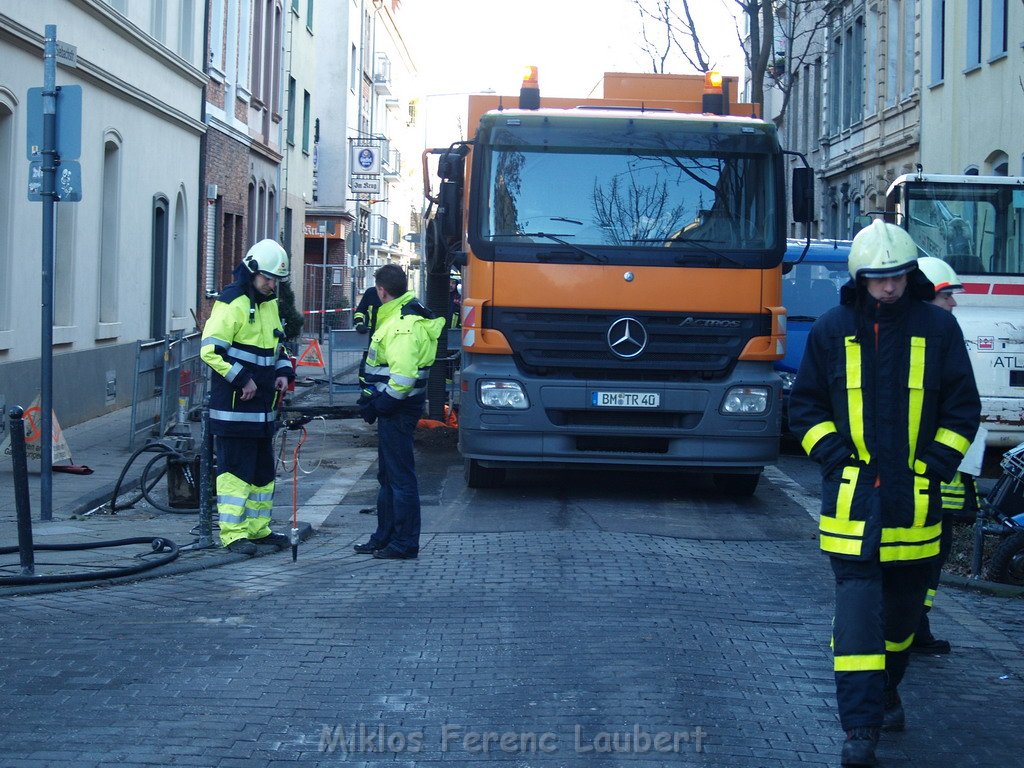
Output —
<point x="745" y="400"/>
<point x="501" y="393"/>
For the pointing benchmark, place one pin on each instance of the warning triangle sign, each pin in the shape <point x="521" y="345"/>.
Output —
<point x="311" y="355"/>
<point x="33" y="432"/>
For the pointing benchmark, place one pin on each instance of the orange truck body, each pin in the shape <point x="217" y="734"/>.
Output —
<point x="530" y="297"/>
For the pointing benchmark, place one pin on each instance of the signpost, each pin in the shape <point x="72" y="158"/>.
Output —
<point x="53" y="144"/>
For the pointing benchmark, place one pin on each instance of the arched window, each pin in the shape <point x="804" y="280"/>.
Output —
<point x="64" y="267"/>
<point x="261" y="213"/>
<point x="110" y="232"/>
<point x="998" y="163"/>
<point x="179" y="266"/>
<point x="158" y="284"/>
<point x="272" y="214"/>
<point x="253" y="217"/>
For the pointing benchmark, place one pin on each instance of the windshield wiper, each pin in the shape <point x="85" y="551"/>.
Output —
<point x="683" y="258"/>
<point x="560" y="239"/>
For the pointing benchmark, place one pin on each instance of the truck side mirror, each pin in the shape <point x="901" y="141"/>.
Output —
<point x="803" y="195"/>
<point x="451" y="169"/>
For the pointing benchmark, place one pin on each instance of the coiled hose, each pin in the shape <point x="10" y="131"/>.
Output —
<point x="146" y="485"/>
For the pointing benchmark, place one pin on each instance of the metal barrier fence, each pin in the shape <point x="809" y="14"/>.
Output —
<point x="170" y="381"/>
<point x="345" y="349"/>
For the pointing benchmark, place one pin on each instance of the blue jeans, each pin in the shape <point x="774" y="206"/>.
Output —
<point x="398" y="500"/>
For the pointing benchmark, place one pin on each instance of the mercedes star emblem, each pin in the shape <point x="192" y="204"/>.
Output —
<point x="627" y="338"/>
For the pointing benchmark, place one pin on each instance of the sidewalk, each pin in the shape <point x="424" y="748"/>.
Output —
<point x="81" y="514"/>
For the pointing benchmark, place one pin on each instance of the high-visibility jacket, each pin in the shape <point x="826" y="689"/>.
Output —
<point x="885" y="401"/>
<point x="242" y="340"/>
<point x="402" y="350"/>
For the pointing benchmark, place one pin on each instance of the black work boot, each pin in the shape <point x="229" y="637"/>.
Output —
<point x="242" y="547"/>
<point x="925" y="642"/>
<point x="859" y="747"/>
<point x="894" y="718"/>
<point x="930" y="645"/>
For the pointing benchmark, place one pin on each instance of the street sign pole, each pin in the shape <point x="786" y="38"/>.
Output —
<point x="46" y="345"/>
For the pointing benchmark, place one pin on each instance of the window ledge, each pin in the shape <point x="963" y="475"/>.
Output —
<point x="971" y="69"/>
<point x="936" y="84"/>
<point x="181" y="323"/>
<point x="997" y="57"/>
<point x="6" y="339"/>
<point x="107" y="331"/>
<point x="64" y="334"/>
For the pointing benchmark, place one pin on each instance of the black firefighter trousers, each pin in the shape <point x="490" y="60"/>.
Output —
<point x="878" y="608"/>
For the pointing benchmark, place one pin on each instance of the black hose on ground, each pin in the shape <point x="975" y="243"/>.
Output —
<point x="158" y="544"/>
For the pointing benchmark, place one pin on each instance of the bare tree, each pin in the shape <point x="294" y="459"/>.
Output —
<point x="669" y="28"/>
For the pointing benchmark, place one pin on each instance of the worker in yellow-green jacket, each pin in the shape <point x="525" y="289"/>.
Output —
<point x="398" y="362"/>
<point x="243" y="345"/>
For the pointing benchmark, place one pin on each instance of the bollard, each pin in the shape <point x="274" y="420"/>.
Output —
<point x="206" y="481"/>
<point x="19" y="462"/>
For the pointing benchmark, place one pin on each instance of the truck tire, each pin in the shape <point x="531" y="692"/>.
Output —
<point x="735" y="484"/>
<point x="478" y="476"/>
<point x="1007" y="564"/>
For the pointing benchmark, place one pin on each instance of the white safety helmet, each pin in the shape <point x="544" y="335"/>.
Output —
<point x="268" y="258"/>
<point x="882" y="250"/>
<point x="940" y="275"/>
<point x="455" y="275"/>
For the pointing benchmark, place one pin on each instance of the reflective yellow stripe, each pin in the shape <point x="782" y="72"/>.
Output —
<point x="841" y="546"/>
<point x="921" y="485"/>
<point x="951" y="439"/>
<point x="911" y="535"/>
<point x="838" y="527"/>
<point x="862" y="663"/>
<point x="844" y="500"/>
<point x="954" y="494"/>
<point x="901" y="553"/>
<point x="929" y="598"/>
<point x="855" y="398"/>
<point x="915" y="384"/>
<point x="892" y="647"/>
<point x="815" y="433"/>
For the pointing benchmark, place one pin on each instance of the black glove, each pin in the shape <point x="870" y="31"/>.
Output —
<point x="360" y="328"/>
<point x="366" y="410"/>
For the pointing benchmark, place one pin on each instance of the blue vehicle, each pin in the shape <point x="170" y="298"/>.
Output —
<point x="809" y="289"/>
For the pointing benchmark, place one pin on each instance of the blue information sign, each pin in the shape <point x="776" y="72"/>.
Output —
<point x="69" y="123"/>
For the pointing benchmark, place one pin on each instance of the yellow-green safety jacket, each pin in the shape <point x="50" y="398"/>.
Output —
<point x="242" y="341"/>
<point x="885" y="401"/>
<point x="401" y="352"/>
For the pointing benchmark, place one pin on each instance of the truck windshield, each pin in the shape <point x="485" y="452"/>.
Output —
<point x="630" y="199"/>
<point x="639" y="189"/>
<point x="975" y="227"/>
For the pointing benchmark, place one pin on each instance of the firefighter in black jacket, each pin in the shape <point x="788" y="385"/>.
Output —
<point x="242" y="343"/>
<point x="885" y="402"/>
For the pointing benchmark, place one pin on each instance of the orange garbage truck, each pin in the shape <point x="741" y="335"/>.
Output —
<point x="621" y="279"/>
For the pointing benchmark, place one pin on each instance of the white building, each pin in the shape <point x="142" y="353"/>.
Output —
<point x="973" y="97"/>
<point x="366" y="79"/>
<point x="125" y="266"/>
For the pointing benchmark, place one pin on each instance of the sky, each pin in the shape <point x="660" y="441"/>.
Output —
<point x="473" y="45"/>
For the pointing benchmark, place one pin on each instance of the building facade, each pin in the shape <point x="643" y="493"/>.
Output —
<point x="124" y="266"/>
<point x="891" y="84"/>
<point x="972" y="102"/>
<point x="242" y="152"/>
<point x="363" y="60"/>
